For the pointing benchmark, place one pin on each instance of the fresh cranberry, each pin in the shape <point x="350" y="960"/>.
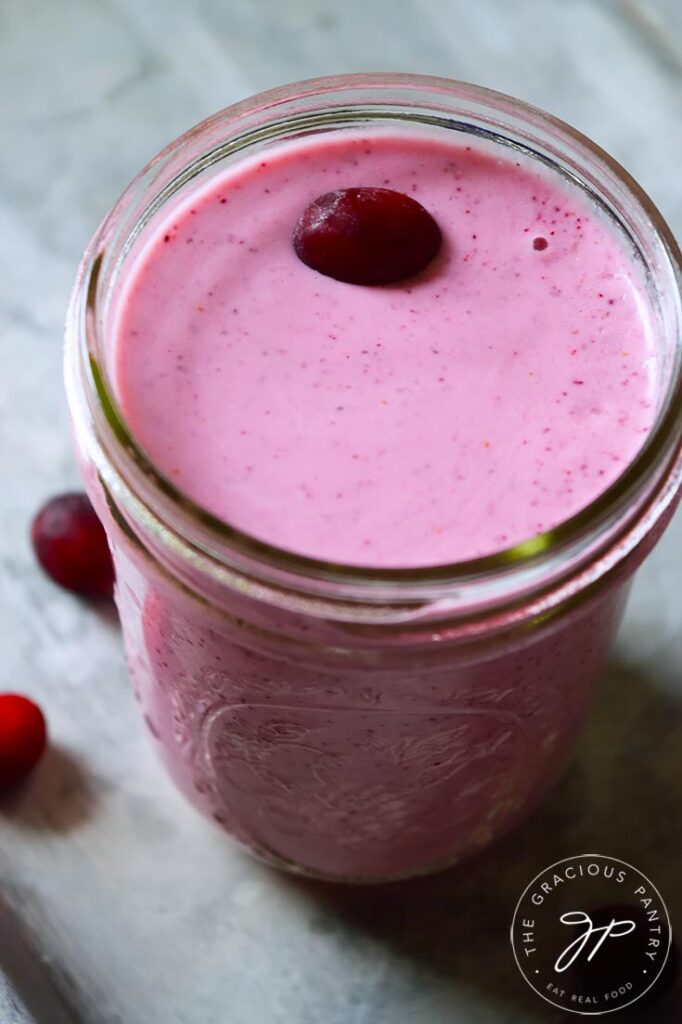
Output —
<point x="366" y="236"/>
<point x="22" y="738"/>
<point x="71" y="545"/>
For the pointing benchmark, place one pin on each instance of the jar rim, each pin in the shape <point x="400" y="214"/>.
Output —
<point x="223" y="542"/>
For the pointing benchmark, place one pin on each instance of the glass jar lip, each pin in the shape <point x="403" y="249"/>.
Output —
<point x="664" y="439"/>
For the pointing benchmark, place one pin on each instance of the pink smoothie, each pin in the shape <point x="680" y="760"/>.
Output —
<point x="435" y="420"/>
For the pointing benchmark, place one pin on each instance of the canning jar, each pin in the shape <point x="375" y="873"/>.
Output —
<point x="348" y="722"/>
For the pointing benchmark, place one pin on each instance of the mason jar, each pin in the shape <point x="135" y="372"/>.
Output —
<point x="363" y="724"/>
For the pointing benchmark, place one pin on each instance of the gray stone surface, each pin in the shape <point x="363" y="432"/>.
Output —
<point x="120" y="903"/>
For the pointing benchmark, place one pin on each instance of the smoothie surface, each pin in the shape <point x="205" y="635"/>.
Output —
<point x="439" y="419"/>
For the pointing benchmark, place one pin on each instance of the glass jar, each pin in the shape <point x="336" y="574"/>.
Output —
<point x="352" y="723"/>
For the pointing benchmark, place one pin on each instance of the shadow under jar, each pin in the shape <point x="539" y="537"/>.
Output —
<point x="353" y="723"/>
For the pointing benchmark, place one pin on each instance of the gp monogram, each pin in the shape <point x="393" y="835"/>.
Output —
<point x="591" y="935"/>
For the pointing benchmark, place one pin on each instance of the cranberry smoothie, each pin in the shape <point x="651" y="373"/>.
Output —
<point x="440" y="418"/>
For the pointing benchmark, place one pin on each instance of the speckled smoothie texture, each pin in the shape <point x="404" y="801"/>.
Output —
<point x="439" y="419"/>
<point x="433" y="420"/>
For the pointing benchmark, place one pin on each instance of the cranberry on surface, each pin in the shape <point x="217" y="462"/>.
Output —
<point x="70" y="543"/>
<point x="23" y="736"/>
